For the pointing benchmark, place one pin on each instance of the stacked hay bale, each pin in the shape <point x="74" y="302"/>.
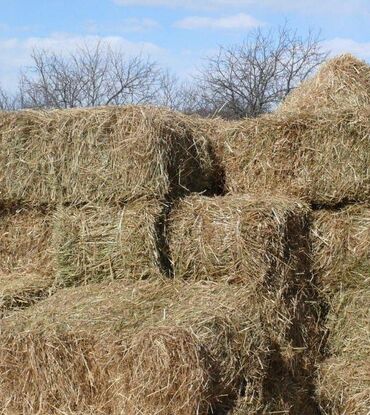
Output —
<point x="111" y="174"/>
<point x="341" y="241"/>
<point x="145" y="347"/>
<point x="320" y="152"/>
<point x="26" y="261"/>
<point x="259" y="241"/>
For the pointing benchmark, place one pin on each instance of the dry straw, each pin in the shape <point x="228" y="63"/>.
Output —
<point x="322" y="158"/>
<point x="26" y="261"/>
<point x="344" y="382"/>
<point x="106" y="154"/>
<point x="149" y="347"/>
<point x="341" y="241"/>
<point x="342" y="81"/>
<point x="260" y="240"/>
<point x="96" y="242"/>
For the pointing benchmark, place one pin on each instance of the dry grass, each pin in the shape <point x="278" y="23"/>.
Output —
<point x="26" y="261"/>
<point x="96" y="242"/>
<point x="344" y="382"/>
<point x="342" y="81"/>
<point x="148" y="347"/>
<point x="105" y="154"/>
<point x="322" y="158"/>
<point x="341" y="241"/>
<point x="242" y="239"/>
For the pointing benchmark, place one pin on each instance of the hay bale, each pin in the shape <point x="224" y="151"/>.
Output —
<point x="344" y="381"/>
<point x="342" y="81"/>
<point x="26" y="260"/>
<point x="341" y="241"/>
<point x="110" y="154"/>
<point x="96" y="242"/>
<point x="259" y="240"/>
<point x="236" y="238"/>
<point x="322" y="158"/>
<point x="149" y="347"/>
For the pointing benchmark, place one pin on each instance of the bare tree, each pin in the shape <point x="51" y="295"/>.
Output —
<point x="252" y="78"/>
<point x="8" y="101"/>
<point x="89" y="77"/>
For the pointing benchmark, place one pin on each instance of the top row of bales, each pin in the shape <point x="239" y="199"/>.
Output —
<point x="111" y="155"/>
<point x="315" y="147"/>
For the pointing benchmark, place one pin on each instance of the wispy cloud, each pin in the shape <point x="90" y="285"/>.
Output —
<point x="237" y="22"/>
<point x="339" y="45"/>
<point x="304" y="6"/>
<point x="128" y="25"/>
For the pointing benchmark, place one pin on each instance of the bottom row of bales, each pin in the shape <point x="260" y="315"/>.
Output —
<point x="251" y="338"/>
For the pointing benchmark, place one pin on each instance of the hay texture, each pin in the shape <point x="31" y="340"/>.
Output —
<point x="110" y="154"/>
<point x="26" y="260"/>
<point x="148" y="348"/>
<point x="341" y="248"/>
<point x="322" y="158"/>
<point x="235" y="238"/>
<point x="261" y="240"/>
<point x="343" y="81"/>
<point x="96" y="242"/>
<point x="344" y="381"/>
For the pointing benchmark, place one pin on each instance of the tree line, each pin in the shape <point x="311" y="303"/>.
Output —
<point x="246" y="79"/>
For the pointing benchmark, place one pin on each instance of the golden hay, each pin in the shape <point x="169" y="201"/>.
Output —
<point x="344" y="381"/>
<point x="341" y="242"/>
<point x="96" y="243"/>
<point x="26" y="261"/>
<point x="323" y="159"/>
<point x="237" y="238"/>
<point x="264" y="240"/>
<point x="342" y="81"/>
<point x="106" y="154"/>
<point x="149" y="347"/>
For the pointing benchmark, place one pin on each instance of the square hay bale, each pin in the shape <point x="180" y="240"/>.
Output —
<point x="237" y="238"/>
<point x="322" y="158"/>
<point x="341" y="82"/>
<point x="148" y="347"/>
<point x="341" y="241"/>
<point x="344" y="378"/>
<point x="26" y="260"/>
<point x="263" y="241"/>
<point x="110" y="154"/>
<point x="95" y="242"/>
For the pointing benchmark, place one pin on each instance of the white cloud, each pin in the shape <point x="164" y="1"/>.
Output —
<point x="15" y="53"/>
<point x="304" y="6"/>
<point x="338" y="45"/>
<point x="238" y="21"/>
<point x="128" y="25"/>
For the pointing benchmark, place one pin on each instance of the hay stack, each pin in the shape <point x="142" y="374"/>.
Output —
<point x="151" y="347"/>
<point x="26" y="261"/>
<point x="341" y="241"/>
<point x="261" y="240"/>
<point x="341" y="82"/>
<point x="105" y="154"/>
<point x="322" y="158"/>
<point x="344" y="382"/>
<point x="96" y="242"/>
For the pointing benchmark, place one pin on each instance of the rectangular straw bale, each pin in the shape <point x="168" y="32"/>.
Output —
<point x="147" y="347"/>
<point x="263" y="241"/>
<point x="235" y="238"/>
<point x="26" y="260"/>
<point x="341" y="247"/>
<point x="102" y="154"/>
<point x="95" y="242"/>
<point x="344" y="378"/>
<point x="322" y="158"/>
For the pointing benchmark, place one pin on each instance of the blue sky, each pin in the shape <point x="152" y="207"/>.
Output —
<point x="178" y="34"/>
